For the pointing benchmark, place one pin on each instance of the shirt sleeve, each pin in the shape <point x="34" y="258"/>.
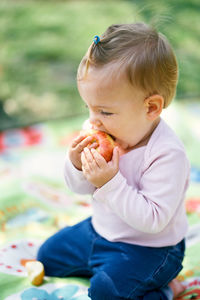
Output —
<point x="75" y="179"/>
<point x="150" y="207"/>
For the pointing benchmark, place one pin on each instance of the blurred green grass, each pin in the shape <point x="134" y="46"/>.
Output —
<point x="42" y="43"/>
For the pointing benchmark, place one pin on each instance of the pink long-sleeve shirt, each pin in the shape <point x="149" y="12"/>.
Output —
<point x="143" y="203"/>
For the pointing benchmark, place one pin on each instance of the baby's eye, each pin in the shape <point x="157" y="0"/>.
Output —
<point x="105" y="113"/>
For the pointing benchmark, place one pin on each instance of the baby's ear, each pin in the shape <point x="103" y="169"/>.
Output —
<point x="154" y="105"/>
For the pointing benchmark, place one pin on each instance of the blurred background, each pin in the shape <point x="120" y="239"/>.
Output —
<point x="42" y="43"/>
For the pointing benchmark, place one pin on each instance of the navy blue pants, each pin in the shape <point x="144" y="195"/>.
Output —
<point x="116" y="270"/>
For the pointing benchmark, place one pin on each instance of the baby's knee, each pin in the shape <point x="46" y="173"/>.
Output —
<point x="102" y="287"/>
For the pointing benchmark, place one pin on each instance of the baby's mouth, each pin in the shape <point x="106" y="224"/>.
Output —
<point x="112" y="136"/>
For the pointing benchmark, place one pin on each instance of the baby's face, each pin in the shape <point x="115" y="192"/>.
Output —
<point x="115" y="107"/>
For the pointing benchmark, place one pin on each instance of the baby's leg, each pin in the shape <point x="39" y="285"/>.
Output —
<point x="124" y="271"/>
<point x="66" y="253"/>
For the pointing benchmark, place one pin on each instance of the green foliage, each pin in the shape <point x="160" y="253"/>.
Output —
<point x="42" y="43"/>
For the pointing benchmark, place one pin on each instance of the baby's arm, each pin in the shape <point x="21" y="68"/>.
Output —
<point x="150" y="207"/>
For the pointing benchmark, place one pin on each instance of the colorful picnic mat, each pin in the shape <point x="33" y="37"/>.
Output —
<point x="35" y="203"/>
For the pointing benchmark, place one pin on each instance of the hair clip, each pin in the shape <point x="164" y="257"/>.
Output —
<point x="96" y="39"/>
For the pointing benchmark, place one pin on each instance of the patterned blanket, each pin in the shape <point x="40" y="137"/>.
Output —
<point x="35" y="203"/>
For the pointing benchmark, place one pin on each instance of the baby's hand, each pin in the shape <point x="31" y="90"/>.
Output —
<point x="77" y="146"/>
<point x="96" y="169"/>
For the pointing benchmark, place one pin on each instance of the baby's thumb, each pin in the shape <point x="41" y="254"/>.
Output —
<point x="115" y="157"/>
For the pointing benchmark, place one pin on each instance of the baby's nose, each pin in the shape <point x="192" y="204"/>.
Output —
<point x="94" y="121"/>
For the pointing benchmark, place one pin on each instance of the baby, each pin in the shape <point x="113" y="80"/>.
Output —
<point x="133" y="245"/>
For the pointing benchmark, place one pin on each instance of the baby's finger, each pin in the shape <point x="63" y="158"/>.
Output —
<point x="77" y="140"/>
<point x="90" y="159"/>
<point x="83" y="144"/>
<point x="85" y="166"/>
<point x="93" y="145"/>
<point x="115" y="157"/>
<point x="100" y="160"/>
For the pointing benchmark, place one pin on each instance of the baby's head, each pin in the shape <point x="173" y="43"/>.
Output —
<point x="140" y="53"/>
<point x="126" y="79"/>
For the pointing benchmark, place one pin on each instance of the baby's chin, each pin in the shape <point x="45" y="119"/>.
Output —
<point x="123" y="145"/>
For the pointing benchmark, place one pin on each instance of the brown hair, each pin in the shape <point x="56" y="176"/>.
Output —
<point x="143" y="53"/>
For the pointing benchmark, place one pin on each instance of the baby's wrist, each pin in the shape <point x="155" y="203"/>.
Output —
<point x="79" y="168"/>
<point x="76" y="165"/>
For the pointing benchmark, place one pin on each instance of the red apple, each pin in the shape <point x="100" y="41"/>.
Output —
<point x="105" y="143"/>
